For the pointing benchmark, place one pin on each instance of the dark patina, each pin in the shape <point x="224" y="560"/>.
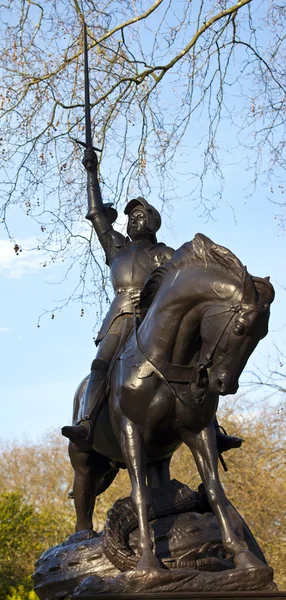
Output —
<point x="178" y="334"/>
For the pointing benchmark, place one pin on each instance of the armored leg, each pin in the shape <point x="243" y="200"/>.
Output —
<point x="82" y="433"/>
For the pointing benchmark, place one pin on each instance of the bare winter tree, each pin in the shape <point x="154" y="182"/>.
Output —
<point x="157" y="70"/>
<point x="271" y="381"/>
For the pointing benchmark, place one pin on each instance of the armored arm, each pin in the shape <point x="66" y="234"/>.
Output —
<point x="97" y="213"/>
<point x="163" y="253"/>
<point x="168" y="254"/>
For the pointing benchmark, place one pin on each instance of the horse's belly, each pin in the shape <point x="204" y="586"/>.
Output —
<point x="106" y="443"/>
<point x="158" y="449"/>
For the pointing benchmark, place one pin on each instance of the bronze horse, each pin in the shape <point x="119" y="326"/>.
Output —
<point x="204" y="315"/>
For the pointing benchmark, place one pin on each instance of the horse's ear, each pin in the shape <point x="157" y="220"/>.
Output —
<point x="264" y="290"/>
<point x="249" y="291"/>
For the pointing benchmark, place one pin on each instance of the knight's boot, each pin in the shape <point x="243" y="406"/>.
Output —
<point x="226" y="442"/>
<point x="81" y="434"/>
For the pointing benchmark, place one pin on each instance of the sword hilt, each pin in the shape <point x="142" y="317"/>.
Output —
<point x="85" y="145"/>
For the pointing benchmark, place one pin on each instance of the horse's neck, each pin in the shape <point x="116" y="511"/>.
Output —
<point x="180" y="294"/>
<point x="175" y="313"/>
<point x="158" y="333"/>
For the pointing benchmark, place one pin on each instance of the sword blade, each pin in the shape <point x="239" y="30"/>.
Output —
<point x="88" y="137"/>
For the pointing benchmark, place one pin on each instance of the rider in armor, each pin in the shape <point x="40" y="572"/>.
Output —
<point x="131" y="259"/>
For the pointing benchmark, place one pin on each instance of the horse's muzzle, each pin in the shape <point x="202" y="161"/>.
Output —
<point x="225" y="386"/>
<point x="220" y="383"/>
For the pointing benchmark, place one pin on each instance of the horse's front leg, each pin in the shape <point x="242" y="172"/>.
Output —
<point x="133" y="450"/>
<point x="204" y="449"/>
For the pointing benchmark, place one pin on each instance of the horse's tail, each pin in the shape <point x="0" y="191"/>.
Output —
<point x="78" y="401"/>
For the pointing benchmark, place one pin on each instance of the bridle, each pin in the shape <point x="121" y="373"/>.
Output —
<point x="169" y="373"/>
<point x="207" y="361"/>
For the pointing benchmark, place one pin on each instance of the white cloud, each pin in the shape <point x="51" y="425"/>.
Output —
<point x="13" y="266"/>
<point x="27" y="261"/>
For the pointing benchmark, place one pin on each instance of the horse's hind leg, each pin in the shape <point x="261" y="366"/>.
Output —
<point x="134" y="456"/>
<point x="84" y="490"/>
<point x="204" y="449"/>
<point x="92" y="475"/>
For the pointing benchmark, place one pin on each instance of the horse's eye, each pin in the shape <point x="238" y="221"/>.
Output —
<point x="239" y="329"/>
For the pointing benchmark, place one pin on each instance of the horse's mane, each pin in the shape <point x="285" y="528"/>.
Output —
<point x="203" y="251"/>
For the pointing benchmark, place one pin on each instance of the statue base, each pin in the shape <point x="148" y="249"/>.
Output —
<point x="190" y="596"/>
<point x="187" y="541"/>
<point x="179" y="583"/>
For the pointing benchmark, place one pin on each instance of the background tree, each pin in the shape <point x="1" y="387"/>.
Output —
<point x="272" y="380"/>
<point x="35" y="512"/>
<point x="22" y="537"/>
<point x="35" y="478"/>
<point x="159" y="72"/>
<point x="42" y="473"/>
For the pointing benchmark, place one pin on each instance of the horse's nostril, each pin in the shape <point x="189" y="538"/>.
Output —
<point x="225" y="387"/>
<point x="221" y="386"/>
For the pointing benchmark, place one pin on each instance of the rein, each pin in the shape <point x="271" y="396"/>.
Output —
<point x="156" y="371"/>
<point x="203" y="365"/>
<point x="187" y="374"/>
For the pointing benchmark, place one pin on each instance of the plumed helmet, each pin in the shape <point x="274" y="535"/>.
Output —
<point x="153" y="216"/>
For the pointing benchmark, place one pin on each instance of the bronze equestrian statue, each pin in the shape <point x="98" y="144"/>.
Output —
<point x="197" y="315"/>
<point x="203" y="316"/>
<point x="131" y="259"/>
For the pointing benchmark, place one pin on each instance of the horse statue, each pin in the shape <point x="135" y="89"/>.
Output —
<point x="202" y="316"/>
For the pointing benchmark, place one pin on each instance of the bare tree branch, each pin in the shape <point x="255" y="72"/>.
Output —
<point x="156" y="74"/>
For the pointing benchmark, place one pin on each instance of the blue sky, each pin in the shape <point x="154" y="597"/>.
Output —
<point x="42" y="366"/>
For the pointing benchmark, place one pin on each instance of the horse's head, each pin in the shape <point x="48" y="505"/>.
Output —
<point x="206" y="306"/>
<point x="230" y="331"/>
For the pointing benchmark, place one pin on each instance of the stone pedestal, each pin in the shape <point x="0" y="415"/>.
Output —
<point x="190" y="596"/>
<point x="187" y="541"/>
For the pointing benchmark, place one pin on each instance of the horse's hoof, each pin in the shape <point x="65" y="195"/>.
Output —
<point x="149" y="563"/>
<point x="247" y="560"/>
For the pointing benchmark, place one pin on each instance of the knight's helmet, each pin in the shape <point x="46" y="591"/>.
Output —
<point x="153" y="216"/>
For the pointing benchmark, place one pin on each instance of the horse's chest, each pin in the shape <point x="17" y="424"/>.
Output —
<point x="195" y="411"/>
